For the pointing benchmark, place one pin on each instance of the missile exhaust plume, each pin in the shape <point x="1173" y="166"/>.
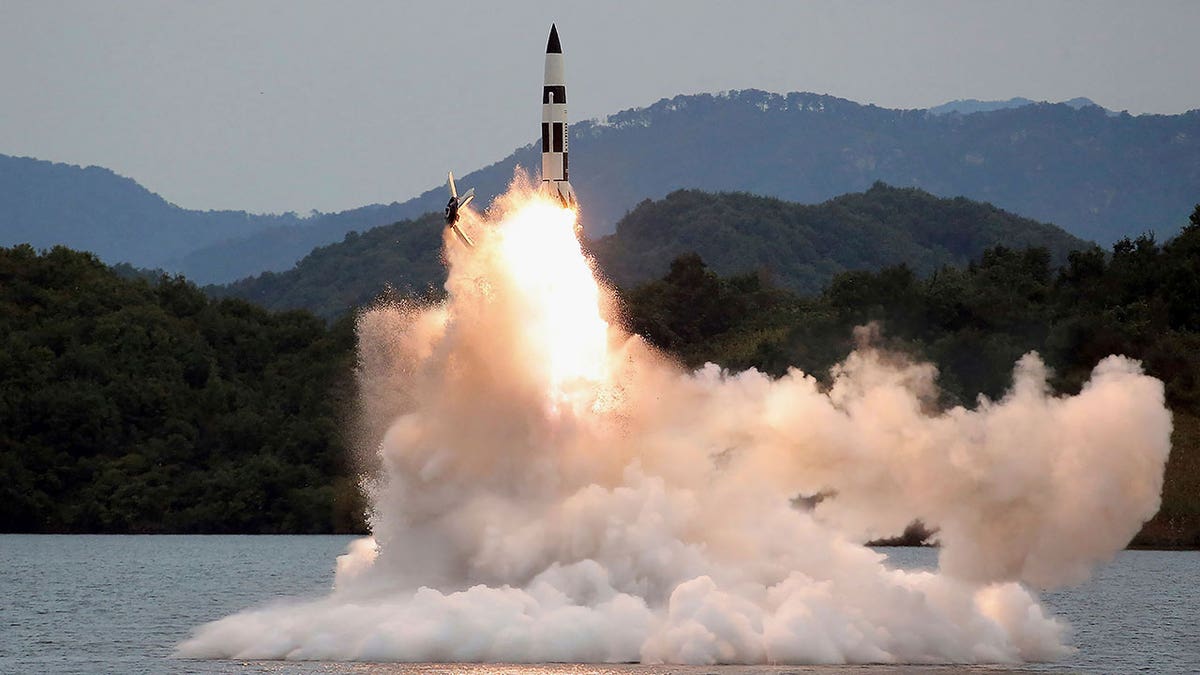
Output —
<point x="548" y="488"/>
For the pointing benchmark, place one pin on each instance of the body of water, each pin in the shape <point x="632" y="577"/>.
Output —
<point x="113" y="604"/>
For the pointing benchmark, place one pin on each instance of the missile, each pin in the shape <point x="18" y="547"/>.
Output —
<point x="554" y="124"/>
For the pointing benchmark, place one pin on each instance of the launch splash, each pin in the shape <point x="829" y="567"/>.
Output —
<point x="547" y="488"/>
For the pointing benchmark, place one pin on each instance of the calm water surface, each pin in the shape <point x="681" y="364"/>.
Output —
<point x="106" y="604"/>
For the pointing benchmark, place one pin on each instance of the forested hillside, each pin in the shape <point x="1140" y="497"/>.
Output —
<point x="336" y="279"/>
<point x="801" y="247"/>
<point x="131" y="406"/>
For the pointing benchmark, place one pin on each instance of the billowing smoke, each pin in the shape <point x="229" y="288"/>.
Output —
<point x="549" y="488"/>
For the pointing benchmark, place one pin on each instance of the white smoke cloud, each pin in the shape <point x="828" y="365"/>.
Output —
<point x="551" y="489"/>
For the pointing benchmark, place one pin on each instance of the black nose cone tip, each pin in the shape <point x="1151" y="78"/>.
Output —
<point x="552" y="46"/>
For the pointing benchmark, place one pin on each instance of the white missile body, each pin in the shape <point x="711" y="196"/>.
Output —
<point x="554" y="124"/>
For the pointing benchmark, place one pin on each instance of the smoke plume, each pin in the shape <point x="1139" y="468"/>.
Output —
<point x="549" y="488"/>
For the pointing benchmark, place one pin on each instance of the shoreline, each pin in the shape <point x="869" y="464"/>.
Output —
<point x="871" y="544"/>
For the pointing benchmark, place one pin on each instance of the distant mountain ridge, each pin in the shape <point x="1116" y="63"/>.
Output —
<point x="279" y="247"/>
<point x="92" y="208"/>
<point x="800" y="246"/>
<point x="1099" y="175"/>
<point x="969" y="106"/>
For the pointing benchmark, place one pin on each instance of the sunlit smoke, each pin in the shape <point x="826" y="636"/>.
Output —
<point x="542" y="256"/>
<point x="549" y="488"/>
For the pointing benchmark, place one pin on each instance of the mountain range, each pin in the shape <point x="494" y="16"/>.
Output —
<point x="969" y="106"/>
<point x="1101" y="176"/>
<point x="94" y="209"/>
<point x="799" y="247"/>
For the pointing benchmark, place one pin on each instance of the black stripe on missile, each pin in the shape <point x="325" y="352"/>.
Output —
<point x="545" y="137"/>
<point x="559" y="91"/>
<point x="558" y="136"/>
<point x="564" y="166"/>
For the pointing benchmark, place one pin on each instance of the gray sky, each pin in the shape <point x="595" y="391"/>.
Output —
<point x="274" y="106"/>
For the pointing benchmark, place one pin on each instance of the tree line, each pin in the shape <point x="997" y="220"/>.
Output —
<point x="136" y="406"/>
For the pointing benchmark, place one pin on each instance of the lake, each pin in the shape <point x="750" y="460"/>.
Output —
<point x="87" y="604"/>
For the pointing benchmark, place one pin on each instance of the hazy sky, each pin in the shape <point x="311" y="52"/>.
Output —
<point x="274" y="106"/>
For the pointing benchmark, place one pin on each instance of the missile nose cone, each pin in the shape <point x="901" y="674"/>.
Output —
<point x="552" y="45"/>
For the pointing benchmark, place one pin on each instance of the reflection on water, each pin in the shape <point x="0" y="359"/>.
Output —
<point x="83" y="604"/>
